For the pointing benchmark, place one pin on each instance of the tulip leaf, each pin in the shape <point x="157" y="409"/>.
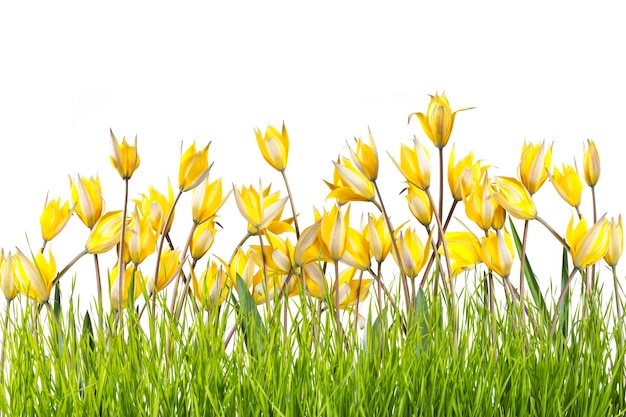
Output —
<point x="531" y="278"/>
<point x="252" y="326"/>
<point x="564" y="309"/>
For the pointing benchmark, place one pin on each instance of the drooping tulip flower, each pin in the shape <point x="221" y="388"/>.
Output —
<point x="438" y="120"/>
<point x="496" y="251"/>
<point x="413" y="254"/>
<point x="349" y="184"/>
<point x="87" y="199"/>
<point x="616" y="242"/>
<point x="258" y="208"/>
<point x="334" y="231"/>
<point x="106" y="233"/>
<point x="125" y="158"/>
<point x="274" y="146"/>
<point x="210" y="286"/>
<point x="365" y="157"/>
<point x="54" y="218"/>
<point x="133" y="279"/>
<point x="534" y="164"/>
<point x="419" y="205"/>
<point x="587" y="246"/>
<point x="7" y="276"/>
<point x="414" y="164"/>
<point x="514" y="197"/>
<point x="194" y="167"/>
<point x="35" y="277"/>
<point x="207" y="199"/>
<point x="591" y="164"/>
<point x="169" y="267"/>
<point x="568" y="185"/>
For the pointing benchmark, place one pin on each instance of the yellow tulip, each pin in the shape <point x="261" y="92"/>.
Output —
<point x="463" y="249"/>
<point x="419" y="205"/>
<point x="206" y="200"/>
<point x="274" y="146"/>
<point x="534" y="165"/>
<point x="591" y="164"/>
<point x="496" y="251"/>
<point x="132" y="275"/>
<point x="105" y="233"/>
<point x="157" y="206"/>
<point x="210" y="289"/>
<point x="365" y="157"/>
<point x="349" y="184"/>
<point x="258" y="208"/>
<point x="413" y="254"/>
<point x="587" y="246"/>
<point x="315" y="280"/>
<point x="87" y="199"/>
<point x="7" y="276"/>
<point x="309" y="247"/>
<point x="141" y="238"/>
<point x="378" y="237"/>
<point x="282" y="253"/>
<point x="349" y="289"/>
<point x="125" y="158"/>
<point x="194" y="167"/>
<point x="334" y="231"/>
<point x="54" y="218"/>
<point x="169" y="267"/>
<point x="243" y="265"/>
<point x="414" y="164"/>
<point x="479" y="206"/>
<point x="438" y="120"/>
<point x="514" y="197"/>
<point x="462" y="174"/>
<point x="616" y="242"/>
<point x="568" y="185"/>
<point x="357" y="253"/>
<point x="35" y="279"/>
<point x="202" y="239"/>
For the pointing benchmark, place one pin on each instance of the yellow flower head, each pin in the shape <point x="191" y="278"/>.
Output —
<point x="479" y="206"/>
<point x="463" y="249"/>
<point x="106" y="233"/>
<point x="132" y="275"/>
<point x="587" y="246"/>
<point x="350" y="184"/>
<point x="206" y="200"/>
<point x="414" y="164"/>
<point x="591" y="164"/>
<point x="438" y="120"/>
<point x="420" y="206"/>
<point x="210" y="288"/>
<point x="54" y="218"/>
<point x="194" y="167"/>
<point x="378" y="237"/>
<point x="35" y="278"/>
<point x="7" y="276"/>
<point x="568" y="184"/>
<point x="365" y="157"/>
<point x="462" y="174"/>
<point x="616" y="242"/>
<point x="259" y="208"/>
<point x="274" y="146"/>
<point x="202" y="239"/>
<point x="282" y="253"/>
<point x="87" y="199"/>
<point x="357" y="253"/>
<point x="125" y="158"/>
<point x="413" y="254"/>
<point x="169" y="266"/>
<point x="534" y="165"/>
<point x="140" y="239"/>
<point x="158" y="207"/>
<point x="514" y="197"/>
<point x="496" y="251"/>
<point x="334" y="231"/>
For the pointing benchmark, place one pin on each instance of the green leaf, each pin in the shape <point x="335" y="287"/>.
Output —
<point x="531" y="279"/>
<point x="252" y="326"/>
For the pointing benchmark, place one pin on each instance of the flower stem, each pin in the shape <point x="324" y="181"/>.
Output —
<point x="521" y="275"/>
<point x="4" y="340"/>
<point x="293" y="206"/>
<point x="554" y="233"/>
<point x="561" y="299"/>
<point x="120" y="257"/>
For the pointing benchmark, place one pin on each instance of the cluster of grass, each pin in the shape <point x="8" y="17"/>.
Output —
<point x="71" y="368"/>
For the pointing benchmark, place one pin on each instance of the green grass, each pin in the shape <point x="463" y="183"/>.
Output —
<point x="64" y="365"/>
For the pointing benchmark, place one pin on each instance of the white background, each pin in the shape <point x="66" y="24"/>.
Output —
<point x="174" y="74"/>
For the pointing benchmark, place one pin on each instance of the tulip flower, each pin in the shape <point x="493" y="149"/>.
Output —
<point x="206" y="200"/>
<point x="141" y="238"/>
<point x="616" y="242"/>
<point x="310" y="247"/>
<point x="87" y="199"/>
<point x="54" y="218"/>
<point x="7" y="276"/>
<point x="282" y="253"/>
<point x="202" y="239"/>
<point x="535" y="162"/>
<point x="349" y="289"/>
<point x="315" y="280"/>
<point x="243" y="265"/>
<point x="132" y="275"/>
<point x="35" y="278"/>
<point x="419" y="205"/>
<point x="568" y="185"/>
<point x="591" y="164"/>
<point x="587" y="246"/>
<point x="274" y="146"/>
<point x="438" y="120"/>
<point x="378" y="237"/>
<point x="194" y="167"/>
<point x="496" y="251"/>
<point x="479" y="206"/>
<point x="210" y="288"/>
<point x="357" y="253"/>
<point x="334" y="232"/>
<point x="258" y="208"/>
<point x="349" y="184"/>
<point x="413" y="254"/>
<point x="365" y="157"/>
<point x="463" y="249"/>
<point x="462" y="174"/>
<point x="158" y="206"/>
<point x="168" y="269"/>
<point x="514" y="198"/>
<point x="106" y="233"/>
<point x="414" y="164"/>
<point x="125" y="158"/>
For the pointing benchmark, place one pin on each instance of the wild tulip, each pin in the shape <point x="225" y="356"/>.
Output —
<point x="479" y="206"/>
<point x="35" y="277"/>
<point x="462" y="174"/>
<point x="132" y="279"/>
<point x="202" y="239"/>
<point x="7" y="276"/>
<point x="496" y="251"/>
<point x="616" y="242"/>
<point x="419" y="205"/>
<point x="106" y="233"/>
<point x="534" y="164"/>
<point x="413" y="253"/>
<point x="274" y="146"/>
<point x="414" y="164"/>
<point x="378" y="237"/>
<point x="210" y="286"/>
<point x="591" y="164"/>
<point x="168" y="269"/>
<point x="87" y="199"/>
<point x="206" y="200"/>
<point x="514" y="198"/>
<point x="357" y="253"/>
<point x="141" y="238"/>
<point x="54" y="218"/>
<point x="194" y="167"/>
<point x="258" y="208"/>
<point x="587" y="246"/>
<point x="334" y="231"/>
<point x="568" y="185"/>
<point x="158" y="206"/>
<point x="125" y="158"/>
<point x="463" y="249"/>
<point x="365" y="157"/>
<point x="350" y="184"/>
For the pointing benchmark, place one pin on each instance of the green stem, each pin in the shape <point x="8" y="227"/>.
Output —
<point x="521" y="275"/>
<point x="561" y="299"/>
<point x="293" y="206"/>
<point x="120" y="258"/>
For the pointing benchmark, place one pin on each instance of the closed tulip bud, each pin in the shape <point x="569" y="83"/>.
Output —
<point x="496" y="251"/>
<point x="616" y="242"/>
<point x="54" y="218"/>
<point x="169" y="267"/>
<point x="413" y="254"/>
<point x="534" y="165"/>
<point x="35" y="278"/>
<point x="378" y="236"/>
<point x="350" y="289"/>
<point x="202" y="239"/>
<point x="7" y="276"/>
<point x="125" y="158"/>
<point x="141" y="238"/>
<point x="591" y="164"/>
<point x="194" y="167"/>
<point x="206" y="200"/>
<point x="106" y="233"/>
<point x="420" y="206"/>
<point x="438" y="120"/>
<point x="274" y="146"/>
<point x="568" y="185"/>
<point x="133" y="281"/>
<point x="414" y="164"/>
<point x="87" y="199"/>
<point x="479" y="206"/>
<point x="210" y="287"/>
<point x="365" y="157"/>
<point x="357" y="253"/>
<point x="514" y="198"/>
<point x="587" y="246"/>
<point x="462" y="174"/>
<point x="334" y="231"/>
